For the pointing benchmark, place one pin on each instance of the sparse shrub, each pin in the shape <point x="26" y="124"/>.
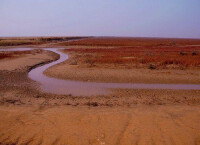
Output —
<point x="194" y="53"/>
<point x="151" y="66"/>
<point x="89" y="61"/>
<point x="94" y="104"/>
<point x="168" y="62"/>
<point x="160" y="44"/>
<point x="182" y="53"/>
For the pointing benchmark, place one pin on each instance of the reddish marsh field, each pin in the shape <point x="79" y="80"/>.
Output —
<point x="156" y="53"/>
<point x="160" y="57"/>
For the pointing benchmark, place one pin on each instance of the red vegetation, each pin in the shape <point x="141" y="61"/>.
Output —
<point x="158" y="56"/>
<point x="128" y="41"/>
<point x="4" y="55"/>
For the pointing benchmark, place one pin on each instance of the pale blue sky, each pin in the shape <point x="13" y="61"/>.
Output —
<point x="137" y="18"/>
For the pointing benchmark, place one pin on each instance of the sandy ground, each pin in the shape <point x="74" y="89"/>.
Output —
<point x="69" y="70"/>
<point x="140" y="125"/>
<point x="29" y="116"/>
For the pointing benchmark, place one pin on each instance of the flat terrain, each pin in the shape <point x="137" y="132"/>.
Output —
<point x="131" y="60"/>
<point x="125" y="116"/>
<point x="114" y="126"/>
<point x="129" y="41"/>
<point x="30" y="41"/>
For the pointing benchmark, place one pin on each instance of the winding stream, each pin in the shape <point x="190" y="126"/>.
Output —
<point x="59" y="86"/>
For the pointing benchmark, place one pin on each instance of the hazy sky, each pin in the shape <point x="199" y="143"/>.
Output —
<point x="138" y="18"/>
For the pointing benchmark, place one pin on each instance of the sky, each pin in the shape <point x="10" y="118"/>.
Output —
<point x="135" y="18"/>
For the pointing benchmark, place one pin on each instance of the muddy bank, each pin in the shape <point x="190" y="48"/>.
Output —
<point x="17" y="88"/>
<point x="25" y="60"/>
<point x="16" y="95"/>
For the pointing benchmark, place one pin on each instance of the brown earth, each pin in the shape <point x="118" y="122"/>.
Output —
<point x="140" y="125"/>
<point x="29" y="116"/>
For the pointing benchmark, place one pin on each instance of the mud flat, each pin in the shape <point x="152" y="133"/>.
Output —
<point x="58" y="86"/>
<point x="81" y="72"/>
<point x="132" y="60"/>
<point x="124" y="116"/>
<point x="29" y="116"/>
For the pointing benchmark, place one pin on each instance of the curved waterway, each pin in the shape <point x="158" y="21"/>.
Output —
<point x="59" y="86"/>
